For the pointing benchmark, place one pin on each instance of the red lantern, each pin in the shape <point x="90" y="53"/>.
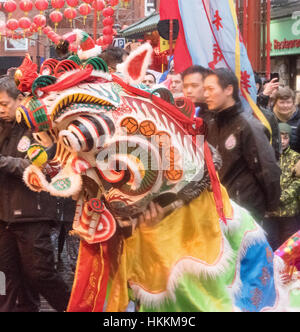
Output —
<point x="88" y="1"/>
<point x="24" y="23"/>
<point x="46" y="30"/>
<point x="108" y="12"/>
<point x="107" y="39"/>
<point x="98" y="5"/>
<point x="114" y="2"/>
<point x="56" y="17"/>
<point x="33" y="27"/>
<point x="41" y="5"/>
<point x="84" y="9"/>
<point x="70" y="14"/>
<point x="26" y="6"/>
<point x="107" y="30"/>
<point x="12" y="24"/>
<point x="57" y="4"/>
<point x="108" y="21"/>
<point x="56" y="39"/>
<point x="51" y="34"/>
<point x="40" y="21"/>
<point x="72" y="3"/>
<point x="10" y="6"/>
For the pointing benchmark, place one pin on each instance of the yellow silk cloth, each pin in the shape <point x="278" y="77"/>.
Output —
<point x="150" y="254"/>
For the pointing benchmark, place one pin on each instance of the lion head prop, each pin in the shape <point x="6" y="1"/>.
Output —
<point x="114" y="146"/>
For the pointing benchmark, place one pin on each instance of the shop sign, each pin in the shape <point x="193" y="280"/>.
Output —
<point x="285" y="35"/>
<point x="150" y="7"/>
<point x="119" y="42"/>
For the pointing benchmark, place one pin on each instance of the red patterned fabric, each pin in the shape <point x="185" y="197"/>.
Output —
<point x="91" y="278"/>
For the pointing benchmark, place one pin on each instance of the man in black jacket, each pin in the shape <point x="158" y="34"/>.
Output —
<point x="26" y="253"/>
<point x="249" y="171"/>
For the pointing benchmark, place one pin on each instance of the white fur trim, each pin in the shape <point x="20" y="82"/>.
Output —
<point x="123" y="68"/>
<point x="233" y="224"/>
<point x="46" y="186"/>
<point x="251" y="237"/>
<point x="186" y="265"/>
<point x="75" y="186"/>
<point x="102" y="74"/>
<point x="84" y="55"/>
<point x="39" y="173"/>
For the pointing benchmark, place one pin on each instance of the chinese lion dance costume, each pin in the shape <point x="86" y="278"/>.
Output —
<point x="118" y="147"/>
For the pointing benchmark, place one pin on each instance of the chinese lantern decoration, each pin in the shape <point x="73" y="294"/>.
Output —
<point x="108" y="30"/>
<point x="46" y="30"/>
<point x="107" y="39"/>
<point x="12" y="24"/>
<point x="70" y="13"/>
<point x="108" y="11"/>
<point x="33" y="28"/>
<point x="56" y="17"/>
<point x="98" y="5"/>
<point x="72" y="3"/>
<point x="84" y="9"/>
<point x="57" y="4"/>
<point x="51" y="34"/>
<point x="24" y="23"/>
<point x="108" y="22"/>
<point x="40" y="21"/>
<point x="41" y="5"/>
<point x="10" y="6"/>
<point x="26" y="6"/>
<point x="113" y="3"/>
<point x="56" y="39"/>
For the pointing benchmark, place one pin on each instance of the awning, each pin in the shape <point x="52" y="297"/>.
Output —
<point x="138" y="29"/>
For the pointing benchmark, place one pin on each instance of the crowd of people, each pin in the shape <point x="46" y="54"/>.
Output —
<point x="260" y="170"/>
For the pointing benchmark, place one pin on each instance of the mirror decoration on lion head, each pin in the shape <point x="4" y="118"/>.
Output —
<point x="118" y="146"/>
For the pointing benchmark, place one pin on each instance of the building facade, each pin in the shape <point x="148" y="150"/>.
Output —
<point x="12" y="51"/>
<point x="285" y="40"/>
